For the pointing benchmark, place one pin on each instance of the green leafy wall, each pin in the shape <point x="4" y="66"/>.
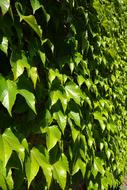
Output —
<point x="63" y="94"/>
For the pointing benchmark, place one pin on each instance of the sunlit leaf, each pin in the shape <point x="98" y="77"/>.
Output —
<point x="60" y="173"/>
<point x="43" y="163"/>
<point x="4" y="4"/>
<point x="5" y="151"/>
<point x="33" y="74"/>
<point x="9" y="180"/>
<point x="53" y="136"/>
<point x="31" y="168"/>
<point x="8" y="93"/>
<point x="43" y="57"/>
<point x="73" y="92"/>
<point x="13" y="143"/>
<point x="19" y="63"/>
<point x="36" y="5"/>
<point x="75" y="117"/>
<point x="4" y="45"/>
<point x="61" y="119"/>
<point x="29" y="97"/>
<point x="98" y="165"/>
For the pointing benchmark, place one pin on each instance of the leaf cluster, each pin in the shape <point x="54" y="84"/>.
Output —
<point x="63" y="94"/>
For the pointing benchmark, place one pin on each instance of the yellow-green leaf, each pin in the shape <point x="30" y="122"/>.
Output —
<point x="53" y="136"/>
<point x="4" y="4"/>
<point x="29" y="97"/>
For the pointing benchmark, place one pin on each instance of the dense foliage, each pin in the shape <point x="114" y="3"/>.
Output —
<point x="63" y="94"/>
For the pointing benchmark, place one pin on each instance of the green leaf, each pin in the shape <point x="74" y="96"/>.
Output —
<point x="8" y="93"/>
<point x="104" y="183"/>
<point x="79" y="165"/>
<point x="4" y="4"/>
<point x="33" y="74"/>
<point x="19" y="63"/>
<point x="109" y="178"/>
<point x="100" y="118"/>
<point x="30" y="20"/>
<point x="98" y="165"/>
<point x="78" y="58"/>
<point x="52" y="75"/>
<point x="33" y="24"/>
<point x="61" y="120"/>
<point x="3" y="182"/>
<point x="31" y="168"/>
<point x="5" y="151"/>
<point x="4" y="45"/>
<point x="35" y="5"/>
<point x="90" y="141"/>
<point x="13" y="143"/>
<point x="65" y="162"/>
<point x="58" y="95"/>
<point x="43" y="57"/>
<point x="43" y="163"/>
<point x="73" y="92"/>
<point x="9" y="180"/>
<point x="80" y="79"/>
<point x="53" y="136"/>
<point x="75" y="117"/>
<point x="82" y="166"/>
<point x="75" y="133"/>
<point x="59" y="173"/>
<point x="76" y="168"/>
<point x="72" y="66"/>
<point x="29" y="97"/>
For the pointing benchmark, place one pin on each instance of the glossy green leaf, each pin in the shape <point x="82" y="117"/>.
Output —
<point x="90" y="141"/>
<point x="60" y="173"/>
<point x="31" y="168"/>
<point x="80" y="79"/>
<point x="3" y="183"/>
<point x="4" y="4"/>
<point x="61" y="120"/>
<point x="76" y="167"/>
<point x="19" y="63"/>
<point x="75" y="133"/>
<point x="104" y="183"/>
<point x="100" y="118"/>
<point x="53" y="136"/>
<point x="33" y="23"/>
<point x="8" y="93"/>
<point x="33" y="74"/>
<point x="29" y="97"/>
<point x="4" y="45"/>
<point x="58" y="95"/>
<point x="13" y="143"/>
<point x="43" y="163"/>
<point x="43" y="57"/>
<point x="79" y="165"/>
<point x="82" y="166"/>
<point x="65" y="162"/>
<point x="98" y="165"/>
<point x="73" y="92"/>
<point x="9" y="180"/>
<point x="52" y="75"/>
<point x="75" y="117"/>
<point x="5" y="151"/>
<point x="35" y="5"/>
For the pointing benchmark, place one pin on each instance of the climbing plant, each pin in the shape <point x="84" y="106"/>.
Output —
<point x="63" y="94"/>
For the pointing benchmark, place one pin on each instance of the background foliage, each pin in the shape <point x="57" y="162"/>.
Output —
<point x="63" y="94"/>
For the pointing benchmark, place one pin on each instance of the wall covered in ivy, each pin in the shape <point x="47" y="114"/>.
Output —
<point x="63" y="100"/>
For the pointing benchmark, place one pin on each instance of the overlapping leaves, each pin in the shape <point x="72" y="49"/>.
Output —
<point x="75" y="72"/>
